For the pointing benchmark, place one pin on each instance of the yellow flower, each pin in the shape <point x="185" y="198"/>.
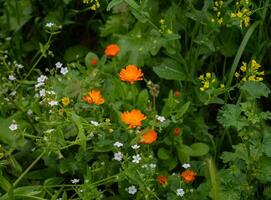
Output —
<point x="94" y="97"/>
<point x="208" y="75"/>
<point x="162" y="21"/>
<point x="131" y="74"/>
<point x="65" y="101"/>
<point x="222" y="86"/>
<point x="133" y="118"/>
<point x="237" y="74"/>
<point x="243" y="67"/>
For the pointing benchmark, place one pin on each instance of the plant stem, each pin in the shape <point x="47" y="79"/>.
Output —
<point x="28" y="169"/>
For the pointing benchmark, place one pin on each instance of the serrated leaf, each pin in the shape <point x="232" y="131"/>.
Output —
<point x="255" y="89"/>
<point x="230" y="116"/>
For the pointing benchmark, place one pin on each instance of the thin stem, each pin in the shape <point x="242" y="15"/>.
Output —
<point x="28" y="169"/>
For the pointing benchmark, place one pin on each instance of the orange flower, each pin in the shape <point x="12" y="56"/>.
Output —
<point x="131" y="74"/>
<point x="177" y="93"/>
<point x="133" y="118"/>
<point x="162" y="180"/>
<point x="112" y="50"/>
<point x="93" y="61"/>
<point x="188" y="176"/>
<point x="94" y="97"/>
<point x="177" y="131"/>
<point x="148" y="137"/>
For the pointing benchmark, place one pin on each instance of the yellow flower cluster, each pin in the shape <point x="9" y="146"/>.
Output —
<point x="242" y="12"/>
<point x="206" y="81"/>
<point x="95" y="4"/>
<point x="164" y="28"/>
<point x="217" y="9"/>
<point x="251" y="74"/>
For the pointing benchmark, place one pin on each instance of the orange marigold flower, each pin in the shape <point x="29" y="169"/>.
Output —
<point x="177" y="93"/>
<point x="93" y="61"/>
<point x="94" y="97"/>
<point x="133" y="118"/>
<point x="188" y="176"/>
<point x="162" y="180"/>
<point x="177" y="131"/>
<point x="148" y="137"/>
<point x="112" y="50"/>
<point x="131" y="74"/>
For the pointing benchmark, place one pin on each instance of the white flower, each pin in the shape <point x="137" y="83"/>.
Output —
<point x="29" y="112"/>
<point x="118" y="144"/>
<point x="53" y="103"/>
<point x="160" y="118"/>
<point x="75" y="180"/>
<point x="132" y="189"/>
<point x="20" y="66"/>
<point x="58" y="65"/>
<point x="41" y="79"/>
<point x="180" y="192"/>
<point x="13" y="126"/>
<point x="136" y="158"/>
<point x="135" y="146"/>
<point x="64" y="70"/>
<point x="118" y="156"/>
<point x="186" y="165"/>
<point x="13" y="93"/>
<point x="49" y="130"/>
<point x="11" y="77"/>
<point x="94" y="123"/>
<point x="49" y="24"/>
<point x="152" y="165"/>
<point x="42" y="92"/>
<point x="39" y="84"/>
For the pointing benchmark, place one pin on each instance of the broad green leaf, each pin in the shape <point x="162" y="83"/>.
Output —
<point x="183" y="110"/>
<point x="75" y="53"/>
<point x="199" y="149"/>
<point x="171" y="70"/>
<point x="255" y="89"/>
<point x="164" y="154"/>
<point x="184" y="153"/>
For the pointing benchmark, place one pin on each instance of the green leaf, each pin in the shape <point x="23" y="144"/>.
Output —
<point x="170" y="70"/>
<point x="255" y="89"/>
<point x="89" y="57"/>
<point x="183" y="110"/>
<point x="142" y="99"/>
<point x="81" y="135"/>
<point x="75" y="53"/>
<point x="164" y="154"/>
<point x="230" y="116"/>
<point x="113" y="3"/>
<point x="184" y="153"/>
<point x="199" y="149"/>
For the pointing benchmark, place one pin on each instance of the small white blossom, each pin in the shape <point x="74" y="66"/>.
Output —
<point x="20" y="66"/>
<point x="136" y="158"/>
<point x="94" y="123"/>
<point x="11" y="77"/>
<point x="39" y="84"/>
<point x="180" y="192"/>
<point x="75" y="181"/>
<point x="42" y="92"/>
<point x="13" y="126"/>
<point x="135" y="146"/>
<point x="53" y="103"/>
<point x="160" y="118"/>
<point x="49" y="130"/>
<point x="13" y="93"/>
<point x="118" y="156"/>
<point x="41" y="78"/>
<point x="152" y="165"/>
<point x="118" y="144"/>
<point x="29" y="112"/>
<point x="186" y="165"/>
<point x="58" y="65"/>
<point x="132" y="190"/>
<point x="64" y="70"/>
<point x="49" y="24"/>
